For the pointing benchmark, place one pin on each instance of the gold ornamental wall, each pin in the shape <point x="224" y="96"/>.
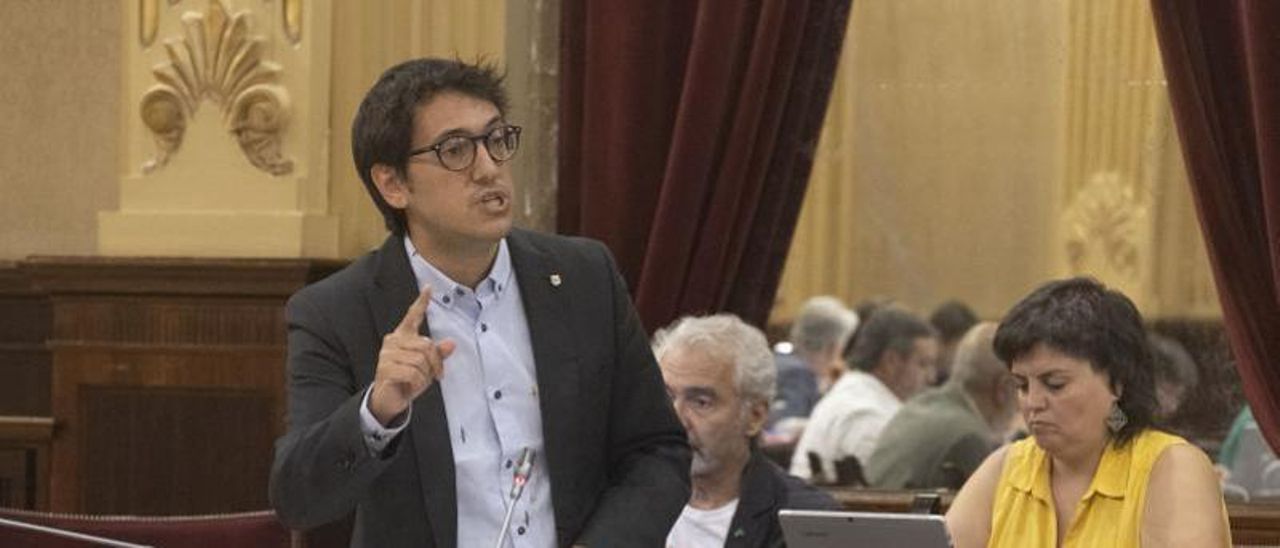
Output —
<point x="974" y="149"/>
<point x="234" y="117"/>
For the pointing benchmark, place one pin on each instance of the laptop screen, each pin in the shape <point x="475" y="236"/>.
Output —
<point x="815" y="529"/>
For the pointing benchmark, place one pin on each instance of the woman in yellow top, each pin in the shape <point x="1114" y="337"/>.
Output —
<point x="1094" y="472"/>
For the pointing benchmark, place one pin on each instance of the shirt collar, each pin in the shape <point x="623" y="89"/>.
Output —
<point x="1112" y="475"/>
<point x="497" y="282"/>
<point x="1029" y="470"/>
<point x="1031" y="474"/>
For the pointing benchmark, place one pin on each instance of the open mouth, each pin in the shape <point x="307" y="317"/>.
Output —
<point x="495" y="199"/>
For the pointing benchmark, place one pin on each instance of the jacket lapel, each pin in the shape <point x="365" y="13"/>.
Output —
<point x="758" y="500"/>
<point x="395" y="289"/>
<point x="545" y="290"/>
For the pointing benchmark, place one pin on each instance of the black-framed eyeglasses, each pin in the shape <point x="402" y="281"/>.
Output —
<point x="458" y="152"/>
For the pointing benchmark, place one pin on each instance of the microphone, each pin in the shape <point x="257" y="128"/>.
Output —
<point x="519" y="478"/>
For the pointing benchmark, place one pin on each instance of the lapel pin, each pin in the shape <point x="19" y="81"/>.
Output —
<point x="555" y="280"/>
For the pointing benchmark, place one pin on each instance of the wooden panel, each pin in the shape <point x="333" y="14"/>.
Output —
<point x="167" y="380"/>
<point x="24" y="461"/>
<point x="155" y="451"/>
<point x="25" y="322"/>
<point x="172" y="380"/>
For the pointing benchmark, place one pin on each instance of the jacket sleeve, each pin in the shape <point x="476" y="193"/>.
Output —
<point x="648" y="451"/>
<point x="322" y="465"/>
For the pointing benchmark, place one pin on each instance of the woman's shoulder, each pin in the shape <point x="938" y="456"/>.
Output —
<point x="969" y="518"/>
<point x="1150" y="446"/>
<point x="1183" y="500"/>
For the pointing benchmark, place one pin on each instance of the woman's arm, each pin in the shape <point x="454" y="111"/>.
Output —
<point x="1184" y="502"/>
<point x="969" y="518"/>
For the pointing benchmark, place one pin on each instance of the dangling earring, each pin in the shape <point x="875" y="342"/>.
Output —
<point x="1116" y="419"/>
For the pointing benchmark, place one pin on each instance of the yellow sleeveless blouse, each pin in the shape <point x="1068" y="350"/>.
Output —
<point x="1109" y="514"/>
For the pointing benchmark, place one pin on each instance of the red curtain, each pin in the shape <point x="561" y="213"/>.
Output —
<point x="687" y="133"/>
<point x="1222" y="59"/>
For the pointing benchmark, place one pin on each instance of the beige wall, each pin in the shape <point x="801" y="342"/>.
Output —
<point x="976" y="148"/>
<point x="59" y="135"/>
<point x="368" y="42"/>
<point x="74" y="151"/>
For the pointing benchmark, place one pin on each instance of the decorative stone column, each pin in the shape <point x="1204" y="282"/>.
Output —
<point x="225" y="131"/>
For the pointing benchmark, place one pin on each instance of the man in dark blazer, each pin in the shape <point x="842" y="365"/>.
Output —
<point x="378" y="413"/>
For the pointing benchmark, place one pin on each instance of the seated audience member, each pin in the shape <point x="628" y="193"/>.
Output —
<point x="1175" y="374"/>
<point x="892" y="360"/>
<point x="1094" y="473"/>
<point x="941" y="436"/>
<point x="818" y="335"/>
<point x="1250" y="469"/>
<point x="863" y="310"/>
<point x="952" y="319"/>
<point x="720" y="375"/>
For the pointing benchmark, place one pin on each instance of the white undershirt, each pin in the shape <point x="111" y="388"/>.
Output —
<point x="702" y="528"/>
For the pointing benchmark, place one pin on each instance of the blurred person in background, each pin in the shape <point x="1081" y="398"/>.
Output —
<point x="818" y="335"/>
<point x="893" y="358"/>
<point x="941" y="436"/>
<point x="952" y="319"/>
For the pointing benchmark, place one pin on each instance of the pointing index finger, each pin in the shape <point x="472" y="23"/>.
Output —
<point x="417" y="311"/>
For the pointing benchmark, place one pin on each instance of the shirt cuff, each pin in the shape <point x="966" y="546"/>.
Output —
<point x="376" y="436"/>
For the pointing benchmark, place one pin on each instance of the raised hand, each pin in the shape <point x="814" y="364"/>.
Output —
<point x="407" y="364"/>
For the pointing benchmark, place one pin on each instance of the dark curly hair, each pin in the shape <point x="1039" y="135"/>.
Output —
<point x="1084" y="319"/>
<point x="382" y="132"/>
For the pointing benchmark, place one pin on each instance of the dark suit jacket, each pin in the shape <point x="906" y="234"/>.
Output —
<point x="765" y="490"/>
<point x="617" y="456"/>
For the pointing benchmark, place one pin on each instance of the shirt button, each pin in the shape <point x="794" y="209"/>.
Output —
<point x="508" y="463"/>
<point x="457" y="291"/>
<point x="484" y="328"/>
<point x="497" y="394"/>
<point x="445" y="299"/>
<point x="520" y="530"/>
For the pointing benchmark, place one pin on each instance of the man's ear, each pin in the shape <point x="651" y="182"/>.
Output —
<point x="757" y="414"/>
<point x="391" y="185"/>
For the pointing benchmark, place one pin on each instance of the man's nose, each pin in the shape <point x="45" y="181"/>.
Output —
<point x="484" y="169"/>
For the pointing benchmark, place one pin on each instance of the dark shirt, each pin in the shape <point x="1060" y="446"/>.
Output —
<point x="797" y="389"/>
<point x="766" y="489"/>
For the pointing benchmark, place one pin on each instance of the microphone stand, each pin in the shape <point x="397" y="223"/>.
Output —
<point x="524" y="467"/>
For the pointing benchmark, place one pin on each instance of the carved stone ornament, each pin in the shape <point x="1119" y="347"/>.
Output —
<point x="1102" y="226"/>
<point x="218" y="60"/>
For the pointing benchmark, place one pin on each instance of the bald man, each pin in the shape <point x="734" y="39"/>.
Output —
<point x="939" y="438"/>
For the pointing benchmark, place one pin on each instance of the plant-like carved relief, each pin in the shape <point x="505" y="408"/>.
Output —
<point x="291" y="17"/>
<point x="217" y="59"/>
<point x="1102" y="226"/>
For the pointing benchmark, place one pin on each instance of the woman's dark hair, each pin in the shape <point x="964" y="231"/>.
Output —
<point x="382" y="132"/>
<point x="1084" y="319"/>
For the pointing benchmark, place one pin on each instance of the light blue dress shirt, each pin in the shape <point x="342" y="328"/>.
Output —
<point x="491" y="399"/>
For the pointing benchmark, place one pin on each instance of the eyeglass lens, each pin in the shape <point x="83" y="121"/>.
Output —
<point x="459" y="152"/>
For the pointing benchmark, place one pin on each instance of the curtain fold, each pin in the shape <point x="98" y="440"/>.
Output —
<point x="688" y="130"/>
<point x="1222" y="60"/>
